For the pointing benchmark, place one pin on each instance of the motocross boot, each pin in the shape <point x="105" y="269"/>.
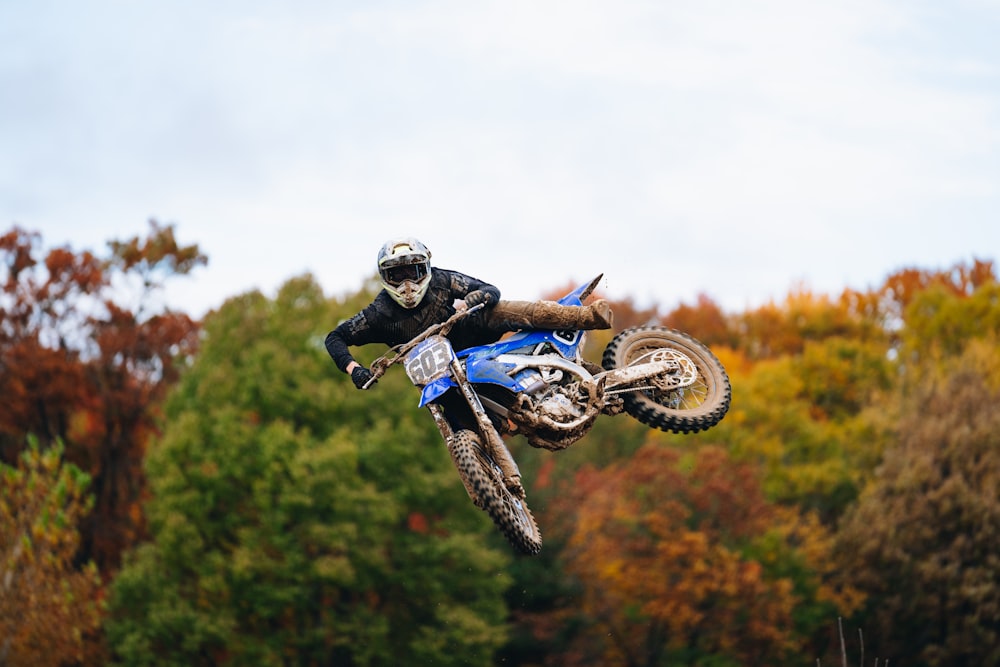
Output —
<point x="514" y="315"/>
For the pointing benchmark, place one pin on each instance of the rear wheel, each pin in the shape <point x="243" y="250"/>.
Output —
<point x="483" y="477"/>
<point x="691" y="398"/>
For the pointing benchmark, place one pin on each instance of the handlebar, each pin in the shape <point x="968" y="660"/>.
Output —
<point x="398" y="352"/>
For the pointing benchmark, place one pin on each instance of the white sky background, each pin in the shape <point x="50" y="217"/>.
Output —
<point x="732" y="148"/>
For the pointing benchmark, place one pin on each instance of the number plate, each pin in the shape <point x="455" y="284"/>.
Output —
<point x="429" y="360"/>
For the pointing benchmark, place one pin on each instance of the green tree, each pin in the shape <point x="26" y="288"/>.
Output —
<point x="940" y="323"/>
<point x="298" y="521"/>
<point x="922" y="539"/>
<point x="47" y="604"/>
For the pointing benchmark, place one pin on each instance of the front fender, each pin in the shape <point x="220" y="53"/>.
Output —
<point x="435" y="390"/>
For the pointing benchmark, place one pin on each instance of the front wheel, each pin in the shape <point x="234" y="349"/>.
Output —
<point x="693" y="397"/>
<point x="483" y="477"/>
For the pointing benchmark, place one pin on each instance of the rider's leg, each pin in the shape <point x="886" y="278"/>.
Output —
<point x="513" y="315"/>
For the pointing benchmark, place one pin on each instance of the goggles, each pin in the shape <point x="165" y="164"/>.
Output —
<point x="397" y="275"/>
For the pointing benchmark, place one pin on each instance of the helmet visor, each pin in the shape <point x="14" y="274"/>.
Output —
<point x="397" y="275"/>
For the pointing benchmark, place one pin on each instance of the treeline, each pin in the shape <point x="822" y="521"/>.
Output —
<point x="215" y="493"/>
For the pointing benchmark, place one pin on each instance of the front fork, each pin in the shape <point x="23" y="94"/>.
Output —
<point x="437" y="412"/>
<point x="492" y="441"/>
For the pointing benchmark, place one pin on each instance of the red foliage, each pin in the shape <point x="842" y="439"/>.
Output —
<point x="417" y="523"/>
<point x="77" y="365"/>
<point x="704" y="320"/>
<point x="654" y="544"/>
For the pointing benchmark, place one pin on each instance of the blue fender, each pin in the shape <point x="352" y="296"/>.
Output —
<point x="435" y="390"/>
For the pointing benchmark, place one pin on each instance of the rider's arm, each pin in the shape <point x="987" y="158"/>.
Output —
<point x="462" y="285"/>
<point x="352" y="332"/>
<point x="337" y="348"/>
<point x="348" y="332"/>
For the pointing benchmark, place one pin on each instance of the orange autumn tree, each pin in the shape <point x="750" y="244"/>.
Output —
<point x="680" y="559"/>
<point x="705" y="320"/>
<point x="86" y="354"/>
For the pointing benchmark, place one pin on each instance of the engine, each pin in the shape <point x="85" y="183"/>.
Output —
<point x="558" y="407"/>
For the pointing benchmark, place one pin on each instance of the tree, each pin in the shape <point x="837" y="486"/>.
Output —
<point x="81" y="363"/>
<point x="922" y="539"/>
<point x="811" y="422"/>
<point x="776" y="330"/>
<point x="298" y="521"/>
<point x="940" y="323"/>
<point x="889" y="306"/>
<point x="47" y="605"/>
<point x="705" y="321"/>
<point x="680" y="560"/>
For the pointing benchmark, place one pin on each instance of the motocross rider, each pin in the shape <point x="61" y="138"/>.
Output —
<point x="416" y="296"/>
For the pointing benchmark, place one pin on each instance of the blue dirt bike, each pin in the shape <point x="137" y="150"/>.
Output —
<point x="536" y="383"/>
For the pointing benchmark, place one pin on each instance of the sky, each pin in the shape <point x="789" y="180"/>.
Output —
<point x="732" y="148"/>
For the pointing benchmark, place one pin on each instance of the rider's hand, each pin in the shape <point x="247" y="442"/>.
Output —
<point x="361" y="375"/>
<point x="477" y="297"/>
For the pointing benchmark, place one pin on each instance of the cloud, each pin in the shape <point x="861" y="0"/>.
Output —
<point x="721" y="146"/>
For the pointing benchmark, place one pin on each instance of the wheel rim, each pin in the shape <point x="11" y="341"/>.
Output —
<point x="684" y="389"/>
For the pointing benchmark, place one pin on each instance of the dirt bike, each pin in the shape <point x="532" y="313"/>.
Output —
<point x="536" y="383"/>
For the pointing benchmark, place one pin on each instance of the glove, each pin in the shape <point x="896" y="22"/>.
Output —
<point x="361" y="376"/>
<point x="477" y="297"/>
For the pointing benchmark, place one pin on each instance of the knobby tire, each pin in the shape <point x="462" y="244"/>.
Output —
<point x="481" y="474"/>
<point x="684" y="410"/>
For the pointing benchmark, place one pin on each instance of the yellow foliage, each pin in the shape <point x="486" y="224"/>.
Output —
<point x="49" y="606"/>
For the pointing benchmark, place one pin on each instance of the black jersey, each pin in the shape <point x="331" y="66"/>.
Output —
<point x="385" y="321"/>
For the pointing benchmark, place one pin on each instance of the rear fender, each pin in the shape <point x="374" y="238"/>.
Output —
<point x="576" y="297"/>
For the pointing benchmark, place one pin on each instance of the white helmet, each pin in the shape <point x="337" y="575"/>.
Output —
<point x="404" y="266"/>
